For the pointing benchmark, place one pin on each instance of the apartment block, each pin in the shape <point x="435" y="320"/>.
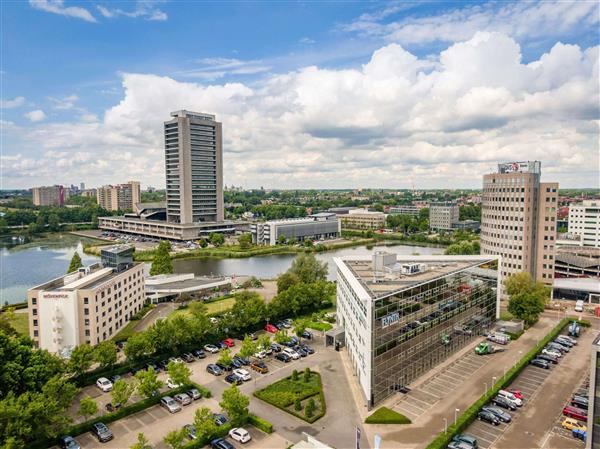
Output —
<point x="119" y="197"/>
<point x="49" y="195"/>
<point x="90" y="305"/>
<point x="362" y="219"/>
<point x="584" y="221"/>
<point x="443" y="216"/>
<point x="194" y="168"/>
<point x="518" y="219"/>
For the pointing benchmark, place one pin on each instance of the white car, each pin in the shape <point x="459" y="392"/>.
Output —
<point x="104" y="384"/>
<point x="291" y="353"/>
<point x="552" y="352"/>
<point x="242" y="374"/>
<point x="211" y="348"/>
<point x="172" y="384"/>
<point x="260" y="355"/>
<point x="240" y="434"/>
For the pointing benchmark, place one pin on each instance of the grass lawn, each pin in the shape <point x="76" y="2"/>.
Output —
<point x="219" y="306"/>
<point x="385" y="415"/>
<point x="20" y="321"/>
<point x="319" y="326"/>
<point x="286" y="392"/>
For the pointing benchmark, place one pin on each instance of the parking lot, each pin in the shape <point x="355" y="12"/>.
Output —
<point x="433" y="390"/>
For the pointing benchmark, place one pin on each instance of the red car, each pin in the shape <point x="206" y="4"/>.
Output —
<point x="574" y="412"/>
<point x="271" y="328"/>
<point x="518" y="394"/>
<point x="229" y="342"/>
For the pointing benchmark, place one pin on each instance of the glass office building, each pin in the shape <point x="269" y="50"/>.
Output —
<point x="403" y="315"/>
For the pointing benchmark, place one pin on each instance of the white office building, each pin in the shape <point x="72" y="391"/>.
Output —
<point x="320" y="226"/>
<point x="584" y="221"/>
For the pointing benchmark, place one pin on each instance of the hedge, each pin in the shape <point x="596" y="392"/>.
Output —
<point x="223" y="430"/>
<point x="123" y="412"/>
<point x="443" y="439"/>
<point x="384" y="415"/>
<point x="259" y="423"/>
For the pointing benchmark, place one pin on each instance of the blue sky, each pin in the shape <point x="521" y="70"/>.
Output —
<point x="303" y="88"/>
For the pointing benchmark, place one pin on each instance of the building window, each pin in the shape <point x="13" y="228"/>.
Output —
<point x="86" y="311"/>
<point x="86" y="301"/>
<point x="34" y="311"/>
<point x="35" y="333"/>
<point x="33" y="301"/>
<point x="35" y="322"/>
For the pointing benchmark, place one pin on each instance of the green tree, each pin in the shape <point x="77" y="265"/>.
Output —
<point x="203" y="243"/>
<point x="248" y="311"/>
<point x="236" y="405"/>
<point x="225" y="357"/>
<point x="105" y="353"/>
<point x="264" y="342"/>
<point x="87" y="407"/>
<point x="217" y="239"/>
<point x="95" y="226"/>
<point x="161" y="263"/>
<point x="176" y="438"/>
<point x="81" y="359"/>
<point x="75" y="263"/>
<point x="245" y="240"/>
<point x="527" y="298"/>
<point x="307" y="375"/>
<point x="179" y="373"/>
<point x="248" y="348"/>
<point x="142" y="442"/>
<point x="285" y="281"/>
<point x="309" y="410"/>
<point x="3" y="226"/>
<point x="300" y="327"/>
<point x="308" y="269"/>
<point x="281" y="239"/>
<point x="53" y="223"/>
<point x="148" y="383"/>
<point x="297" y="405"/>
<point x="138" y="346"/>
<point x="282" y="337"/>
<point x="295" y="375"/>
<point x="204" y="423"/>
<point x="308" y="243"/>
<point x="121" y="392"/>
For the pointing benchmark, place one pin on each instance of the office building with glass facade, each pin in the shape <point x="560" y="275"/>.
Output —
<point x="403" y="315"/>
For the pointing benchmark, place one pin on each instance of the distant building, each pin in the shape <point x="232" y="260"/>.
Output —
<point x="575" y="289"/>
<point x="314" y="227"/>
<point x="362" y="219"/>
<point x="169" y="287"/>
<point x="119" y="197"/>
<point x="342" y="210"/>
<point x="584" y="221"/>
<point x="90" y="305"/>
<point x="400" y="316"/>
<point x="91" y="193"/>
<point x="576" y="262"/>
<point x="443" y="215"/>
<point x="518" y="219"/>
<point x="421" y="204"/>
<point x="50" y="195"/>
<point x="404" y="210"/>
<point x="82" y="186"/>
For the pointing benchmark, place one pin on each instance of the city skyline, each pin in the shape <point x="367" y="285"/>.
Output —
<point x="373" y="96"/>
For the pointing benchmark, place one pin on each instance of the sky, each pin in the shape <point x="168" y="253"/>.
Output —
<point x="322" y="94"/>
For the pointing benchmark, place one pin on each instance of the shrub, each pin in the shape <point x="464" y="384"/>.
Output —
<point x="384" y="415"/>
<point x="297" y="405"/>
<point x="309" y="410"/>
<point x="307" y="375"/>
<point x="295" y="375"/>
<point x="260" y="423"/>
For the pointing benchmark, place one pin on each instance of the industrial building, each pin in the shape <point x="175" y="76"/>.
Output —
<point x="313" y="227"/>
<point x="518" y="219"/>
<point x="90" y="305"/>
<point x="49" y="195"/>
<point x="119" y="197"/>
<point x="400" y="316"/>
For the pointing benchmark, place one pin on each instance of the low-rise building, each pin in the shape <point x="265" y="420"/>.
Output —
<point x="403" y="315"/>
<point x="404" y="210"/>
<point x="362" y="219"/>
<point x="576" y="262"/>
<point x="584" y="221"/>
<point x="314" y="227"/>
<point x="168" y="287"/>
<point x="49" y="195"/>
<point x="119" y="197"/>
<point x="90" y="305"/>
<point x="443" y="216"/>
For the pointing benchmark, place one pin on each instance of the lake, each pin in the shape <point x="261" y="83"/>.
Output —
<point x="25" y="266"/>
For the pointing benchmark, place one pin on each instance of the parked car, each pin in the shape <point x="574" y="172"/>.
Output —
<point x="300" y="351"/>
<point x="307" y="334"/>
<point x="291" y="353"/>
<point x="548" y="358"/>
<point x="224" y="367"/>
<point x="102" y="432"/>
<point x="488" y="417"/>
<point x="199" y="353"/>
<point x="114" y="378"/>
<point x="569" y="338"/>
<point x="575" y="412"/>
<point x="282" y="356"/>
<point x="163" y="364"/>
<point x="220" y="443"/>
<point x="579" y="306"/>
<point x="240" y="434"/>
<point x="503" y="402"/>
<point x="540" y="363"/>
<point x="188" y="357"/>
<point x="275" y="347"/>
<point x="220" y="419"/>
<point x="104" y="384"/>
<point x="214" y="369"/>
<point x="68" y="442"/>
<point x="244" y="361"/>
<point x="562" y="348"/>
<point x="500" y="414"/>
<point x="563" y="341"/>
<point x="229" y="342"/>
<point x="211" y="348"/>
<point x="282" y="325"/>
<point x="260" y="355"/>
<point x="463" y="437"/>
<point x="169" y="403"/>
<point x="236" y="363"/>
<point x="458" y="445"/>
<point x="194" y="394"/>
<point x="183" y="399"/>
<point x="261" y="367"/>
<point x="191" y="431"/>
<point x="233" y="379"/>
<point x="111" y="408"/>
<point x="518" y="393"/>
<point x="288" y="321"/>
<point x="242" y="374"/>
<point x="175" y="360"/>
<point x="572" y="424"/>
<point x="511" y="397"/>
<point x="171" y="384"/>
<point x="580" y="402"/>
<point x="271" y="328"/>
<point x="308" y="349"/>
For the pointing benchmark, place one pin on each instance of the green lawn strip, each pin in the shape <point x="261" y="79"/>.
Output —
<point x="123" y="412"/>
<point x="443" y="439"/>
<point x="129" y="329"/>
<point x="319" y="326"/>
<point x="385" y="415"/>
<point x="284" y="393"/>
<point x="20" y="322"/>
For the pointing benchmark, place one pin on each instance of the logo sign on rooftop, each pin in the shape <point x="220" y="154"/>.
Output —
<point x="390" y="319"/>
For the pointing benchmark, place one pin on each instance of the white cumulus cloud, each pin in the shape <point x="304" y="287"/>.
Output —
<point x="58" y="7"/>
<point x="36" y="116"/>
<point x="14" y="103"/>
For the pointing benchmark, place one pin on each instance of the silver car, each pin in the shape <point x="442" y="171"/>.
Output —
<point x="169" y="403"/>
<point x="183" y="399"/>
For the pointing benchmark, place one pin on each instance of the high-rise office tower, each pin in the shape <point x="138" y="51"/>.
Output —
<point x="194" y="168"/>
<point x="518" y="219"/>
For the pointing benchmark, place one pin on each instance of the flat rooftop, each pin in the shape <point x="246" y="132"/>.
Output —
<point x="391" y="280"/>
<point x="95" y="276"/>
<point x="166" y="223"/>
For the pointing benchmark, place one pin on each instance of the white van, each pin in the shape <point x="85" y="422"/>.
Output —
<point x="290" y="352"/>
<point x="579" y="306"/>
<point x="511" y="397"/>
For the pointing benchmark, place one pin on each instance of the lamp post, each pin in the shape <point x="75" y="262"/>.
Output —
<point x="456" y="410"/>
<point x="485" y="391"/>
<point x="493" y="381"/>
<point x="445" y="426"/>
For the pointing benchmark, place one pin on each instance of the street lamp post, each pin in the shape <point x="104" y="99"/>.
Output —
<point x="456" y="410"/>
<point x="493" y="381"/>
<point x="485" y="391"/>
<point x="445" y="426"/>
